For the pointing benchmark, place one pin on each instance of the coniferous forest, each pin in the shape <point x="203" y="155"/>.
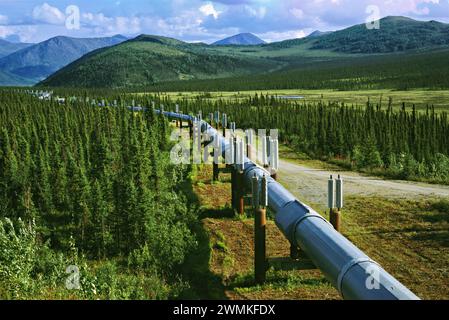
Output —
<point x="404" y="144"/>
<point x="93" y="189"/>
<point x="87" y="186"/>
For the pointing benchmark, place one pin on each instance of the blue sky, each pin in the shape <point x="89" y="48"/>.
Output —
<point x="200" y="20"/>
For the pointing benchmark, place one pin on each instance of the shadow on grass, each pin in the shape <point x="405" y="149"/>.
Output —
<point x="275" y="280"/>
<point x="203" y="284"/>
<point x="287" y="264"/>
<point x="441" y="238"/>
<point x="226" y="212"/>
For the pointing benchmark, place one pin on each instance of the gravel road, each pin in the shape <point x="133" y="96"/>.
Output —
<point x="311" y="185"/>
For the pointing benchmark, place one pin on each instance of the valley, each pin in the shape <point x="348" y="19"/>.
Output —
<point x="92" y="130"/>
<point x="421" y="98"/>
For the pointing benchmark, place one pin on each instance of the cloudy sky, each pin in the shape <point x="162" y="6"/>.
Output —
<point x="199" y="20"/>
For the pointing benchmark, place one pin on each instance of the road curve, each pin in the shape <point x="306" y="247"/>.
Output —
<point x="311" y="185"/>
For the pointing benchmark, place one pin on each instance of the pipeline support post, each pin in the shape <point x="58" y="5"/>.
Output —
<point x="343" y="264"/>
<point x="224" y="123"/>
<point x="335" y="219"/>
<point x="260" y="221"/>
<point x="294" y="252"/>
<point x="335" y="201"/>
<point x="274" y="158"/>
<point x="190" y="130"/>
<point x="233" y="187"/>
<point x="240" y="164"/>
<point x="241" y="194"/>
<point x="215" y="172"/>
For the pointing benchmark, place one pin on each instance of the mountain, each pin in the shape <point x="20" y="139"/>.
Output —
<point x="7" y="79"/>
<point x="150" y="60"/>
<point x="242" y="39"/>
<point x="318" y="33"/>
<point x="396" y="34"/>
<point x="147" y="59"/>
<point x="38" y="61"/>
<point x="6" y="47"/>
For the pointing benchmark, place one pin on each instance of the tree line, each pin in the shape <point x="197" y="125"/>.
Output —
<point x="94" y="180"/>
<point x="404" y="144"/>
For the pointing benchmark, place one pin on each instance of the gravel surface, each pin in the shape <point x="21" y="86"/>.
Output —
<point x="311" y="185"/>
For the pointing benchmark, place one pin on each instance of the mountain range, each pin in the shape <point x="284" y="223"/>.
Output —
<point x="146" y="60"/>
<point x="7" y="47"/>
<point x="152" y="59"/>
<point x="396" y="34"/>
<point x="36" y="62"/>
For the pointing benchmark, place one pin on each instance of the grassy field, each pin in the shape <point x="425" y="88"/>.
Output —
<point x="421" y="98"/>
<point x="409" y="238"/>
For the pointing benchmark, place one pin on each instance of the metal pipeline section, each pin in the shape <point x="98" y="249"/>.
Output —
<point x="350" y="271"/>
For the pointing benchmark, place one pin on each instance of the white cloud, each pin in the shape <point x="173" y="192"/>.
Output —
<point x="104" y="25"/>
<point x="297" y="13"/>
<point x="45" y="13"/>
<point x="207" y="20"/>
<point x="280" y="36"/>
<point x="257" y="12"/>
<point x="209" y="10"/>
<point x="24" y="33"/>
<point x="3" y="19"/>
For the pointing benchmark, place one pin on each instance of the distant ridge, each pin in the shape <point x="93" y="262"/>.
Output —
<point x="318" y="33"/>
<point x="242" y="39"/>
<point x="6" y="47"/>
<point x="396" y="34"/>
<point x="150" y="59"/>
<point x="38" y="61"/>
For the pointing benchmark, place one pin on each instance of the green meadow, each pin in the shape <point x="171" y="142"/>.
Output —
<point x="421" y="98"/>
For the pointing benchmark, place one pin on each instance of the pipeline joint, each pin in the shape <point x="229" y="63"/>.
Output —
<point x="349" y="266"/>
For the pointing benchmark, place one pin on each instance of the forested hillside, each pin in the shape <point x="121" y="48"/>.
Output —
<point x="399" y="71"/>
<point x="90" y="187"/>
<point x="147" y="60"/>
<point x="36" y="62"/>
<point x="395" y="34"/>
<point x="403" y="53"/>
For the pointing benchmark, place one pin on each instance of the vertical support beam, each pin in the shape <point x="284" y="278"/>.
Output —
<point x="211" y="119"/>
<point x="264" y="152"/>
<point x="191" y="130"/>
<point x="240" y="152"/>
<point x="233" y="188"/>
<point x="181" y="122"/>
<point x="260" y="200"/>
<point x="249" y="143"/>
<point x="334" y="215"/>
<point x="294" y="252"/>
<point x="215" y="172"/>
<point x="335" y="219"/>
<point x="241" y="194"/>
<point x="217" y="120"/>
<point x="234" y="178"/>
<point x="224" y="124"/>
<point x="217" y="155"/>
<point x="274" y="158"/>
